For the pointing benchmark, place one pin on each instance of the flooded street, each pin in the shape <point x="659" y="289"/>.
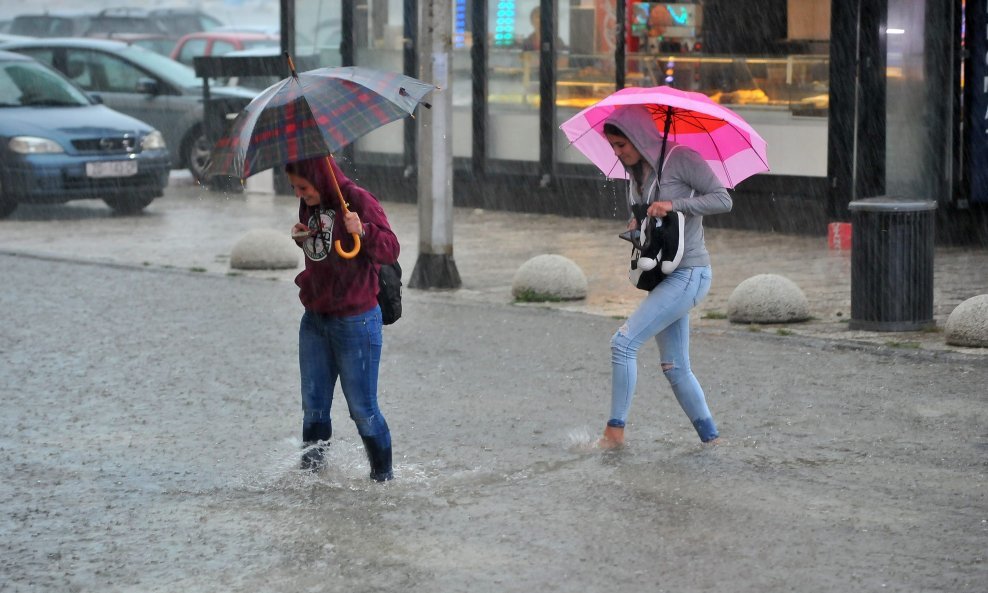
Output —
<point x="150" y="433"/>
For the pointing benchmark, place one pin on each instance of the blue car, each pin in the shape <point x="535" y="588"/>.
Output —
<point x="57" y="144"/>
<point x="151" y="87"/>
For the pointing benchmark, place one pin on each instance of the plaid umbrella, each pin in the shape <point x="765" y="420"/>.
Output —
<point x="314" y="114"/>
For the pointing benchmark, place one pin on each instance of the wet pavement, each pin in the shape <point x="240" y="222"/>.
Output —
<point x="149" y="434"/>
<point x="194" y="229"/>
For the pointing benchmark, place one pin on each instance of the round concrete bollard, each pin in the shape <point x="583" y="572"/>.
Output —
<point x="264" y="249"/>
<point x="968" y="323"/>
<point x="549" y="278"/>
<point x="767" y="298"/>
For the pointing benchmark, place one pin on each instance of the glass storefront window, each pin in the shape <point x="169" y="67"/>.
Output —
<point x="908" y="165"/>
<point x="318" y="30"/>
<point x="776" y="77"/>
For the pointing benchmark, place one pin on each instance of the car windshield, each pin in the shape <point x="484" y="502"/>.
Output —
<point x="176" y="73"/>
<point x="26" y="84"/>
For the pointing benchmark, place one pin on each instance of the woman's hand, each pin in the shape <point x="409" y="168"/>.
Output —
<point x="659" y="209"/>
<point x="300" y="232"/>
<point x="632" y="224"/>
<point x="353" y="225"/>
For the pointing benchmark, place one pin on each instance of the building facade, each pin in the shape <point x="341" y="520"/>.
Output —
<point x="855" y="99"/>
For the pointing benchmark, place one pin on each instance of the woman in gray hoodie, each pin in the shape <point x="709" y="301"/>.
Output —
<point x="687" y="185"/>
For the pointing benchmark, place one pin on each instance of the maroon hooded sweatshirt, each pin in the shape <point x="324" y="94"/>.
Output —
<point x="337" y="286"/>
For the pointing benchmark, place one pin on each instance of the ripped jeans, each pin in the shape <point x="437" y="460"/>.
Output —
<point x="348" y="348"/>
<point x="664" y="314"/>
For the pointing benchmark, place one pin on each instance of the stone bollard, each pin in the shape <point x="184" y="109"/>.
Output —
<point x="967" y="324"/>
<point x="549" y="278"/>
<point x="265" y="249"/>
<point x="767" y="298"/>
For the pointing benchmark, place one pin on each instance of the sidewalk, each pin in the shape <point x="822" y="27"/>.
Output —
<point x="194" y="229"/>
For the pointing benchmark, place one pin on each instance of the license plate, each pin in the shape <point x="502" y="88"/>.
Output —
<point x="111" y="169"/>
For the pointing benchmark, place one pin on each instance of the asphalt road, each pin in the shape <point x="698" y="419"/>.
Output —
<point x="149" y="436"/>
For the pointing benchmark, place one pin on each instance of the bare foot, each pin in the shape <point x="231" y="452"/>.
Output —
<point x="715" y="441"/>
<point x="613" y="438"/>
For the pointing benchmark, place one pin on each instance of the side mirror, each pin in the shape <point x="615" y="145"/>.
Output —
<point x="148" y="86"/>
<point x="97" y="98"/>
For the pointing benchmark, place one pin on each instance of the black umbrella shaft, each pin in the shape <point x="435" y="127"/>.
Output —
<point x="662" y="153"/>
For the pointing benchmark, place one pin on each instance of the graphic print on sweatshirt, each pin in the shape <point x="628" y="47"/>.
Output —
<point x="316" y="247"/>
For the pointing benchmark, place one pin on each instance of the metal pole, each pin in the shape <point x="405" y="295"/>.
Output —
<point x="435" y="267"/>
<point x="547" y="92"/>
<point x="410" y="25"/>
<point x="478" y="55"/>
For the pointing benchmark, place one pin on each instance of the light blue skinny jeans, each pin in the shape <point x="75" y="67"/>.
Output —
<point x="348" y="348"/>
<point x="663" y="314"/>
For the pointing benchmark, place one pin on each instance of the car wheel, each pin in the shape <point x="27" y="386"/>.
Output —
<point x="6" y="205"/>
<point x="128" y="205"/>
<point x="196" y="155"/>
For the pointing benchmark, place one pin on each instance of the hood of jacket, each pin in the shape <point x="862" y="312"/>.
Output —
<point x="637" y="124"/>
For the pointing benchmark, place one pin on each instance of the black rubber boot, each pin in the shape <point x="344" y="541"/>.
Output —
<point x="380" y="459"/>
<point x="315" y="438"/>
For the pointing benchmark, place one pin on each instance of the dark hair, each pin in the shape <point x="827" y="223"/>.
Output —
<point x="613" y="130"/>
<point x="315" y="172"/>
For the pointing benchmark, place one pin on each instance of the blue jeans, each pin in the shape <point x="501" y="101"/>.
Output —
<point x="664" y="314"/>
<point x="348" y="348"/>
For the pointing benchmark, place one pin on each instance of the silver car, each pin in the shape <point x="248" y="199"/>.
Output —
<point x="142" y="84"/>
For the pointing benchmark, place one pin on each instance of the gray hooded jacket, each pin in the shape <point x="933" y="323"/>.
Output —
<point x="687" y="180"/>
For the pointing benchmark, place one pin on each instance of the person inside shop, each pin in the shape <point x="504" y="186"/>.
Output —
<point x="340" y="333"/>
<point x="659" y="20"/>
<point x="687" y="185"/>
<point x="534" y="40"/>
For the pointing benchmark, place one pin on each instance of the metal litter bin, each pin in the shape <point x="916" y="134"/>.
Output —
<point x="892" y="264"/>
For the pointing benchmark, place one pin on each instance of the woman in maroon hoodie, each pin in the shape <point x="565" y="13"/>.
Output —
<point x="340" y="332"/>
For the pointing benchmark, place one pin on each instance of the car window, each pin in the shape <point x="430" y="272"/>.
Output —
<point x="191" y="49"/>
<point x="43" y="55"/>
<point x="28" y="84"/>
<point x="208" y="23"/>
<point x="179" y="24"/>
<point x="99" y="72"/>
<point x="42" y="26"/>
<point x="123" y="24"/>
<point x="177" y="74"/>
<point x="222" y="47"/>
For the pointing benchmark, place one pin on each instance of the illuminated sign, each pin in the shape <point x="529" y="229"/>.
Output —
<point x="504" y="23"/>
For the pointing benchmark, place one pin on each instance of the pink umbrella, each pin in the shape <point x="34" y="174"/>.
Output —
<point x="731" y="147"/>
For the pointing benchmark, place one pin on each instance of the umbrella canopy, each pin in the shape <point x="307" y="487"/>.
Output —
<point x="731" y="147"/>
<point x="313" y="114"/>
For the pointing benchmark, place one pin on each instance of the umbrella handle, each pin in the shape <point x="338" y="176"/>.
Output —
<point x="348" y="254"/>
<point x="356" y="238"/>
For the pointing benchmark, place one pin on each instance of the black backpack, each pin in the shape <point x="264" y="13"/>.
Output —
<point x="389" y="292"/>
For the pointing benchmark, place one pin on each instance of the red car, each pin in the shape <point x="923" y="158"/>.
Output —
<point x="218" y="43"/>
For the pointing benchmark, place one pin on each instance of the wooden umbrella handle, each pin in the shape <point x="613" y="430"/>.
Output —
<point x="356" y="238"/>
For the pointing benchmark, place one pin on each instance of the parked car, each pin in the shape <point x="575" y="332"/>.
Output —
<point x="173" y="22"/>
<point x="179" y="21"/>
<point x="50" y="24"/>
<point x="212" y="43"/>
<point x="57" y="144"/>
<point x="143" y="84"/>
<point x="159" y="43"/>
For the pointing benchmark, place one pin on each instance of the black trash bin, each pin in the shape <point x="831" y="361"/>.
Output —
<point x="892" y="264"/>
